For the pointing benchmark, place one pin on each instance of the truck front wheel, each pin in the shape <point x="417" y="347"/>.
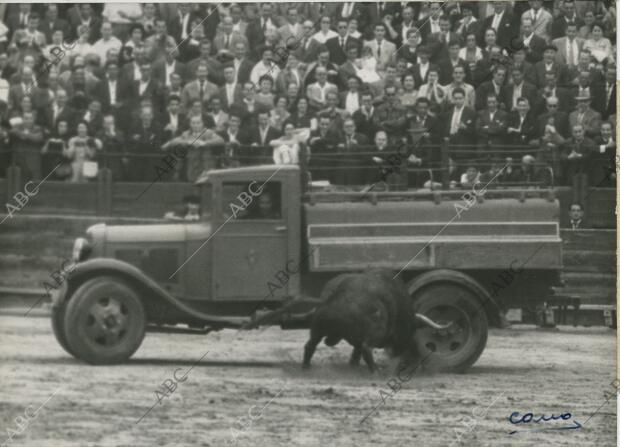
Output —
<point x="458" y="347"/>
<point x="105" y="321"/>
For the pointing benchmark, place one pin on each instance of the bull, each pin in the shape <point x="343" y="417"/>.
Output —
<point x="368" y="310"/>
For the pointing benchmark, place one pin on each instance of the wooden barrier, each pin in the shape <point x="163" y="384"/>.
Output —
<point x="104" y="197"/>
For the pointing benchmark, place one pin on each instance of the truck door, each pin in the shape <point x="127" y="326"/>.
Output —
<point x="250" y="246"/>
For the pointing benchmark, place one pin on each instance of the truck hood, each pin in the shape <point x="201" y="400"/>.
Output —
<point x="176" y="232"/>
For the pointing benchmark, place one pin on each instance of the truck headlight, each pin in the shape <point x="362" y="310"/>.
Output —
<point x="81" y="249"/>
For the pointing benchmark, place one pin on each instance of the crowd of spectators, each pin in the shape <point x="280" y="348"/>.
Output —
<point x="521" y="91"/>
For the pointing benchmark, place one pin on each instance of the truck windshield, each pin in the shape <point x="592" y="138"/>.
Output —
<point x="252" y="200"/>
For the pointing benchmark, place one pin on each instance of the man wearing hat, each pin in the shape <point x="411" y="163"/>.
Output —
<point x="584" y="116"/>
<point x="549" y="64"/>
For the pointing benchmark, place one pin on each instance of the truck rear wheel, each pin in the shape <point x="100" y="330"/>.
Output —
<point x="105" y="321"/>
<point x="456" y="348"/>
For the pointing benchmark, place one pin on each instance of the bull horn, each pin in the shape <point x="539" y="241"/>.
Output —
<point x="431" y="323"/>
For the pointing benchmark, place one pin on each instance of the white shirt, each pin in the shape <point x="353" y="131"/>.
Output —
<point x="526" y="40"/>
<point x="516" y="94"/>
<point x="352" y="102"/>
<point x="456" y="119"/>
<point x="112" y="88"/>
<point x="184" y="22"/>
<point x="169" y="70"/>
<point x="497" y="18"/>
<point x="322" y="38"/>
<point x="405" y="30"/>
<point x="232" y="137"/>
<point x="424" y="69"/>
<point x="575" y="60"/>
<point x="261" y="69"/>
<point x="174" y="121"/>
<point x="101" y="47"/>
<point x="230" y="92"/>
<point x="263" y="134"/>
<point x="347" y="9"/>
<point x="434" y="26"/>
<point x="142" y="87"/>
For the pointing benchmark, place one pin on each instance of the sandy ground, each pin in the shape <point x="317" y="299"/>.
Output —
<point x="522" y="369"/>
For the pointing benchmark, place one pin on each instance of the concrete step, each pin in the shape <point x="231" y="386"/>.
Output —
<point x="600" y="261"/>
<point x="589" y="279"/>
<point x="588" y="239"/>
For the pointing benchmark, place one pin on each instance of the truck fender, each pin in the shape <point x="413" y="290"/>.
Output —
<point x="107" y="266"/>
<point x="445" y="275"/>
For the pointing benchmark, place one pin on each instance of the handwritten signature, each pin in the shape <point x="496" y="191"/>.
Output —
<point x="529" y="417"/>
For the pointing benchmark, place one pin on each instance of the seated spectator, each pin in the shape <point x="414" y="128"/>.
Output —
<point x="200" y="144"/>
<point x="27" y="140"/>
<point x="491" y="125"/>
<point x="470" y="177"/>
<point x="286" y="148"/>
<point x="408" y="93"/>
<point x="471" y="53"/>
<point x="460" y="126"/>
<point x="302" y="118"/>
<point x="391" y="173"/>
<point x="82" y="152"/>
<point x="603" y="169"/>
<point x="200" y="88"/>
<point x="458" y="81"/>
<point x="112" y="144"/>
<point x="174" y="121"/>
<point x="390" y="116"/>
<point x="107" y="42"/>
<point x="599" y="46"/>
<point x="322" y="144"/>
<point x="350" y="99"/>
<point x="434" y="92"/>
<point x="576" y="155"/>
<point x="264" y="96"/>
<point x="54" y="161"/>
<point x="145" y="137"/>
<point x="219" y="117"/>
<point x="280" y="114"/>
<point x="367" y="67"/>
<point x="260" y="138"/>
<point x="585" y="116"/>
<point x="522" y="128"/>
<point x="575" y="214"/>
<point x="353" y="170"/>
<point x="317" y="92"/>
<point x="265" y="66"/>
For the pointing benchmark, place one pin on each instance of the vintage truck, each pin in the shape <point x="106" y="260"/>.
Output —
<point x="254" y="260"/>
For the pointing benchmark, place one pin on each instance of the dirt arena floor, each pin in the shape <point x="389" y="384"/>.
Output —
<point x="58" y="401"/>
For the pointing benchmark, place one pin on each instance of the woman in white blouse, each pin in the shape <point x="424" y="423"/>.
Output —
<point x="599" y="46"/>
<point x="286" y="148"/>
<point x="471" y="53"/>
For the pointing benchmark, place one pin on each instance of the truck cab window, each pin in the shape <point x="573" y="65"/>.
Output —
<point x="252" y="200"/>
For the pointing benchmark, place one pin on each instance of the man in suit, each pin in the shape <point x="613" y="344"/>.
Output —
<point x="555" y="117"/>
<point x="86" y="17"/>
<point x="259" y="137"/>
<point x="226" y="39"/>
<point x="430" y="24"/>
<point x="255" y="32"/>
<point x="322" y="141"/>
<point x="110" y="90"/>
<point x="200" y="88"/>
<point x="588" y="119"/>
<point x="289" y="75"/>
<point x="446" y="66"/>
<point x="214" y="67"/>
<point x="503" y="22"/>
<point x="560" y="25"/>
<point x="364" y="116"/>
<point x="440" y="41"/>
<point x="348" y="143"/>
<point x="230" y="92"/>
<point x="420" y="70"/>
<point x="351" y="99"/>
<point x="609" y="102"/>
<point x="519" y="88"/>
<point x="460" y="126"/>
<point x="424" y="134"/>
<point x="168" y="64"/>
<point x="51" y="23"/>
<point x="59" y="110"/>
<point x="390" y="116"/>
<point x="494" y="87"/>
<point x="491" y="124"/>
<point x="534" y="44"/>
<point x="337" y="46"/>
<point x="146" y="87"/>
<point x="568" y="47"/>
<point x="549" y="64"/>
<point x="603" y="169"/>
<point x="242" y="65"/>
<point x="577" y="154"/>
<point x="541" y="19"/>
<point x="522" y="127"/>
<point x="552" y="90"/>
<point x="382" y="49"/>
<point x="173" y="121"/>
